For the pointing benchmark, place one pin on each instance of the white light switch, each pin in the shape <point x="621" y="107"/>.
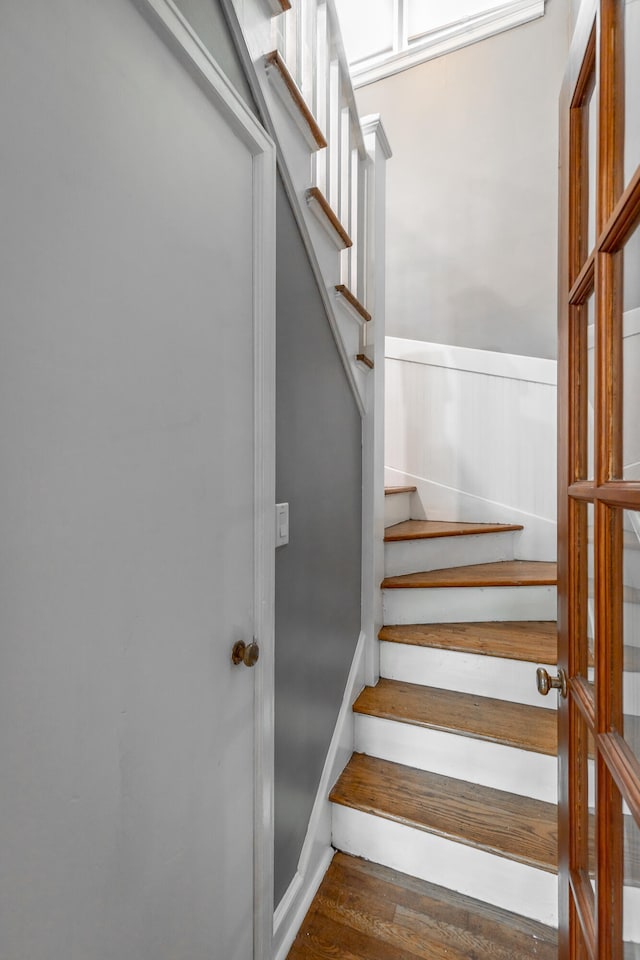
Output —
<point x="282" y="524"/>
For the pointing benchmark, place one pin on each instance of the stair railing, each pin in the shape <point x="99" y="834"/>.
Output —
<point x="308" y="38"/>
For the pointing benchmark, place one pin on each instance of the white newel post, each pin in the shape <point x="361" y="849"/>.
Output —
<point x="373" y="236"/>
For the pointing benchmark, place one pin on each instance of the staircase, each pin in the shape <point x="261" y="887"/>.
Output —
<point x="451" y="789"/>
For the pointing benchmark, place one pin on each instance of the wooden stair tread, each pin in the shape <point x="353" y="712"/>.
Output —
<point x="515" y="827"/>
<point x="499" y="721"/>
<point x="428" y="529"/>
<point x="273" y="59"/>
<point x="534" y="641"/>
<point x="392" y="491"/>
<point x="315" y="195"/>
<point x="367" y="361"/>
<point x="364" y="911"/>
<point x="343" y="291"/>
<point x="504" y="573"/>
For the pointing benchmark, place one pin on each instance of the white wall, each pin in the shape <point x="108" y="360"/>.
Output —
<point x="475" y="431"/>
<point x="472" y="190"/>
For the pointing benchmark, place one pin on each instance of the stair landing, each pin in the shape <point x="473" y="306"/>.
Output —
<point x="364" y="911"/>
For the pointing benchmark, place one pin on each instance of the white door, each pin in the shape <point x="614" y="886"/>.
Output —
<point x="130" y="226"/>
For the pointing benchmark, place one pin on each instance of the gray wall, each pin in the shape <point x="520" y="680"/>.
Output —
<point x="319" y="454"/>
<point x="126" y="500"/>
<point x="318" y="472"/>
<point x="472" y="190"/>
<point x="208" y="21"/>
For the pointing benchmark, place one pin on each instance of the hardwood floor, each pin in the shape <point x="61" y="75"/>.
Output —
<point x="364" y="911"/>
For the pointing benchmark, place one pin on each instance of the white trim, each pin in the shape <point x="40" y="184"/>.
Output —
<point x="264" y="579"/>
<point x="316" y="850"/>
<point x="372" y="125"/>
<point x="185" y="43"/>
<point x="293" y="907"/>
<point x="453" y="36"/>
<point x="491" y="363"/>
<point x="176" y="32"/>
<point x="373" y="499"/>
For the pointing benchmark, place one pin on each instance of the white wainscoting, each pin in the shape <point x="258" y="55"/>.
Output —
<point x="475" y="431"/>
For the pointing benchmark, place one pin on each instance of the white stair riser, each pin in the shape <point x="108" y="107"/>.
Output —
<point x="397" y="508"/>
<point x="631" y="915"/>
<point x="467" y="604"/>
<point x="476" y="873"/>
<point x="412" y="556"/>
<point x="498" y="677"/>
<point x="631" y="694"/>
<point x="631" y="622"/>
<point x="631" y="566"/>
<point x="465" y="758"/>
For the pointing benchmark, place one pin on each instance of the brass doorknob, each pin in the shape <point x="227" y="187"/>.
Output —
<point x="546" y="683"/>
<point x="246" y="653"/>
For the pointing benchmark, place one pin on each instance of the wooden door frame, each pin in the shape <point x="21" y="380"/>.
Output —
<point x="566" y="454"/>
<point x="176" y="32"/>
<point x="617" y="212"/>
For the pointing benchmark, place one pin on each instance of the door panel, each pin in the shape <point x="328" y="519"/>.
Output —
<point x="127" y="517"/>
<point x="599" y="492"/>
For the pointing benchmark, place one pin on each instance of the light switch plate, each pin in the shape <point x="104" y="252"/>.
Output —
<point x="282" y="524"/>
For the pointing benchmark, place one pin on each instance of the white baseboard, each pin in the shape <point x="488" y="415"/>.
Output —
<point x="293" y="907"/>
<point x="434" y="501"/>
<point x="317" y="851"/>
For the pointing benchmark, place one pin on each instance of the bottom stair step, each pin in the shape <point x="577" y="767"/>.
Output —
<point x="365" y="911"/>
<point x="485" y="843"/>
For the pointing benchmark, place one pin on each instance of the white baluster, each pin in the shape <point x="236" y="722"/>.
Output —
<point x="334" y="135"/>
<point x="321" y="100"/>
